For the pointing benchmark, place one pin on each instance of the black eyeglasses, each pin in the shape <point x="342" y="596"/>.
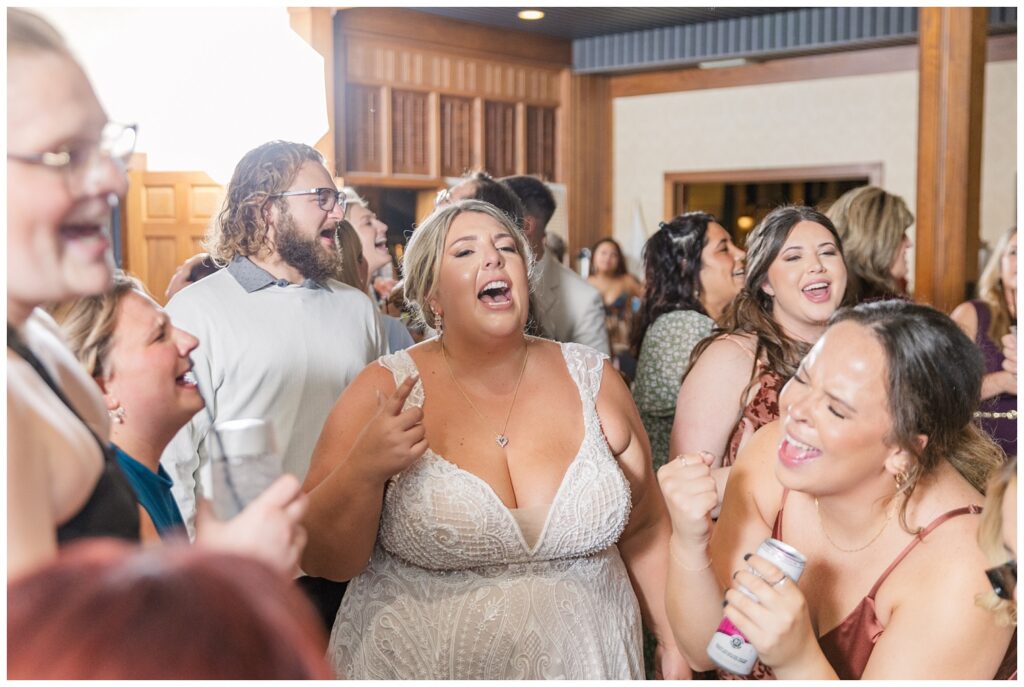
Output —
<point x="1003" y="579"/>
<point x="326" y="198"/>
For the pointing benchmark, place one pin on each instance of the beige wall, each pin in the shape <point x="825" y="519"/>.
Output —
<point x="846" y="120"/>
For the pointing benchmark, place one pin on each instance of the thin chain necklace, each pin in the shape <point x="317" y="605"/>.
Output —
<point x="871" y="541"/>
<point x="501" y="439"/>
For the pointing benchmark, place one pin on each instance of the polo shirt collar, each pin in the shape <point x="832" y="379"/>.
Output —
<point x="252" y="277"/>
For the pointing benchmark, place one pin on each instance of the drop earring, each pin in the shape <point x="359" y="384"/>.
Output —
<point x="117" y="414"/>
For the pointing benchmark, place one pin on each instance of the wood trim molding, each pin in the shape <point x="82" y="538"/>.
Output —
<point x="852" y="63"/>
<point x="871" y="170"/>
<point x="433" y="32"/>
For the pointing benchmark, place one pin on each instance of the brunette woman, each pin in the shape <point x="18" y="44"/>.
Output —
<point x="795" y="279"/>
<point x="692" y="272"/>
<point x="873" y="473"/>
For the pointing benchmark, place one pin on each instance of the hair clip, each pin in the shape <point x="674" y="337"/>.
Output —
<point x="662" y="225"/>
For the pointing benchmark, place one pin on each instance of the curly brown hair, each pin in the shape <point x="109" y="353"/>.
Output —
<point x="240" y="228"/>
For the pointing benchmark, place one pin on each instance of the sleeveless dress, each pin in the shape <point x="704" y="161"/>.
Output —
<point x="454" y="590"/>
<point x="993" y="412"/>
<point x="848" y="645"/>
<point x="762" y="408"/>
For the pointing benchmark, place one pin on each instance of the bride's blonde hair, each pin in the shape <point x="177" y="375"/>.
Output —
<point x="422" y="258"/>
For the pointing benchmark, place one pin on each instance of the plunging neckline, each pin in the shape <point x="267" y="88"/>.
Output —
<point x="489" y="489"/>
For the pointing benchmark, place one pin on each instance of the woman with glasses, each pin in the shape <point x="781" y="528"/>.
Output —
<point x="65" y="171"/>
<point x="874" y="473"/>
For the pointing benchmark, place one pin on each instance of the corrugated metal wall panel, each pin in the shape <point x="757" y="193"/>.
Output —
<point x="798" y="31"/>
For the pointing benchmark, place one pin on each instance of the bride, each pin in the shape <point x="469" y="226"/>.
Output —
<point x="490" y="493"/>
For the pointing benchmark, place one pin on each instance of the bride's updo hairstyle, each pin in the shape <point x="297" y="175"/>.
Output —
<point x="934" y="387"/>
<point x="423" y="253"/>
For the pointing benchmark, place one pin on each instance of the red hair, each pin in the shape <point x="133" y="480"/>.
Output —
<point x="108" y="610"/>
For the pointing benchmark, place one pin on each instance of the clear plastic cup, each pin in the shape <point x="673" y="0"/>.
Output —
<point x="245" y="461"/>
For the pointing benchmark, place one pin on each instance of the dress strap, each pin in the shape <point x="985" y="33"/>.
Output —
<point x="777" y="525"/>
<point x="984" y="316"/>
<point x="402" y="366"/>
<point x="585" y="367"/>
<point x="919" y="537"/>
<point x="735" y="340"/>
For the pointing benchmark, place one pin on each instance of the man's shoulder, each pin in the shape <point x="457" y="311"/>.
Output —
<point x="349" y="296"/>
<point x="573" y="283"/>
<point x="209" y="290"/>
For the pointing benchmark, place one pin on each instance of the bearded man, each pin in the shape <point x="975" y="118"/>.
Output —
<point x="279" y="337"/>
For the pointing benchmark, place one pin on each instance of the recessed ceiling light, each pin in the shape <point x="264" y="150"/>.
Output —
<point x="531" y="15"/>
<point x="719" y="64"/>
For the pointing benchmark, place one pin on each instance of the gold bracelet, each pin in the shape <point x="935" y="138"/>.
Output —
<point x="995" y="415"/>
<point x="683" y="566"/>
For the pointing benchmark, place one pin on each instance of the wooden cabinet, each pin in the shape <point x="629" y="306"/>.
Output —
<point x="424" y="98"/>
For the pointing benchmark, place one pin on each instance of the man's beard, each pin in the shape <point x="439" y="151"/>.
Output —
<point x="307" y="255"/>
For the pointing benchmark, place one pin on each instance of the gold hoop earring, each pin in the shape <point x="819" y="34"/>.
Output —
<point x="902" y="478"/>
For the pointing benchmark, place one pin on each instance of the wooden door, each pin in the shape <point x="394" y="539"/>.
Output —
<point x="167" y="216"/>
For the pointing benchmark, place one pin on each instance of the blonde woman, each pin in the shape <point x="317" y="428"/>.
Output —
<point x="997" y="538"/>
<point x="489" y="494"/>
<point x="873" y="227"/>
<point x="991" y="321"/>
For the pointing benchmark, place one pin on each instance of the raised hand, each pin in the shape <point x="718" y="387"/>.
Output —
<point x="1009" y="343"/>
<point x="691" y="495"/>
<point x="393" y="439"/>
<point x="267" y="529"/>
<point x="778" y="624"/>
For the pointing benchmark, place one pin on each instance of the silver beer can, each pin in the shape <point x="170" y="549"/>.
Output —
<point x="729" y="649"/>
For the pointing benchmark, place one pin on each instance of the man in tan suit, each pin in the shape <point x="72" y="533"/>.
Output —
<point x="568" y="308"/>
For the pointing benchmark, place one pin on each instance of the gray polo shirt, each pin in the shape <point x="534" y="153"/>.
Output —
<point x="267" y="349"/>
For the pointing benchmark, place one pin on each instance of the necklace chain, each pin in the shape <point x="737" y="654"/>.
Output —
<point x="501" y="439"/>
<point x="871" y="541"/>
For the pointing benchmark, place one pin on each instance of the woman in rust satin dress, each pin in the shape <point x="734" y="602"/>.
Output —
<point x="873" y="472"/>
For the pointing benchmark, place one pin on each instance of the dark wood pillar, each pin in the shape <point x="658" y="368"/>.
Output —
<point x="952" y="83"/>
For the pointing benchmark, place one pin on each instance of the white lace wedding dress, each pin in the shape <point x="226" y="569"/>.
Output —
<point x="455" y="591"/>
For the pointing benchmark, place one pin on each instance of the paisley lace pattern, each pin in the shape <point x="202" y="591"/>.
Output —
<point x="454" y="592"/>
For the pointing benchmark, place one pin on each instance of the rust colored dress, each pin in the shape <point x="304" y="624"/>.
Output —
<point x="848" y="646"/>
<point x="762" y="409"/>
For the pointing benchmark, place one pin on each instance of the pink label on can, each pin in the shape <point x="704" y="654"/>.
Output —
<point x="727" y="628"/>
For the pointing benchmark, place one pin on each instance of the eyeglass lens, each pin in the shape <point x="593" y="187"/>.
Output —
<point x="327" y="198"/>
<point x="1003" y="579"/>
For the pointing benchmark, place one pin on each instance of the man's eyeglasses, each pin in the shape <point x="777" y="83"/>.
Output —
<point x="117" y="142"/>
<point x="326" y="198"/>
<point x="1003" y="579"/>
